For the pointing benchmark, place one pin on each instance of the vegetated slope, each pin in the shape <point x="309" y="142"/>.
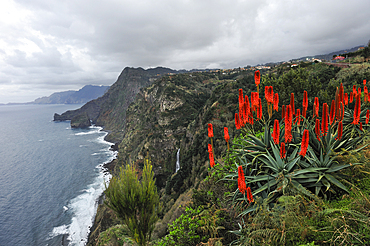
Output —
<point x="85" y="94"/>
<point x="173" y="113"/>
<point x="110" y="109"/>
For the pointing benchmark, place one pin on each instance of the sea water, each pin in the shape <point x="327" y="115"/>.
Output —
<point x="51" y="176"/>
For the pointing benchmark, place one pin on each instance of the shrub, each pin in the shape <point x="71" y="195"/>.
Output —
<point x="135" y="201"/>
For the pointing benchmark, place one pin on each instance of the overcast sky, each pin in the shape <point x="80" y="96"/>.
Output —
<point x="56" y="45"/>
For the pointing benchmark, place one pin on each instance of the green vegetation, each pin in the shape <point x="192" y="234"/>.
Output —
<point x="135" y="201"/>
<point x="320" y="197"/>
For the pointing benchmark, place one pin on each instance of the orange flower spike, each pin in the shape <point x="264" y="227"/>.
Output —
<point x="346" y="98"/>
<point x="282" y="150"/>
<point x="226" y="134"/>
<point x="276" y="132"/>
<point x="340" y="130"/>
<point x="359" y="91"/>
<point x="316" y="107"/>
<point x="341" y="93"/>
<point x="257" y="77"/>
<point x="332" y="112"/>
<point x="210" y="130"/>
<point x="241" y="98"/>
<point x="211" y="157"/>
<point x="288" y="124"/>
<point x="271" y="94"/>
<point x="341" y="111"/>
<point x="283" y="112"/>
<point x="305" y="100"/>
<point x="357" y="111"/>
<point x="259" y="112"/>
<point x="276" y="102"/>
<point x="247" y="108"/>
<point x="237" y="123"/>
<point x="367" y="117"/>
<point x="351" y="97"/>
<point x="298" y="117"/>
<point x="366" y="94"/>
<point x="324" y="118"/>
<point x="249" y="195"/>
<point x="241" y="180"/>
<point x="364" y="81"/>
<point x="267" y="93"/>
<point x="304" y="144"/>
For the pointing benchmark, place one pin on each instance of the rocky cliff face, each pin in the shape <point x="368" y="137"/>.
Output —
<point x="172" y="113"/>
<point x="110" y="109"/>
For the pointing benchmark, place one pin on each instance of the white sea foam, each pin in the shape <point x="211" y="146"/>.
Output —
<point x="84" y="206"/>
<point x="60" y="230"/>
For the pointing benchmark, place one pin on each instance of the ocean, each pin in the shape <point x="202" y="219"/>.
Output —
<point x="51" y="176"/>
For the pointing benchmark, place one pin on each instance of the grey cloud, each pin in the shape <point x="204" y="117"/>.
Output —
<point x="90" y="41"/>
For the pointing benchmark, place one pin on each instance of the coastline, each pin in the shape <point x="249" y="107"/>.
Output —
<point x="96" y="226"/>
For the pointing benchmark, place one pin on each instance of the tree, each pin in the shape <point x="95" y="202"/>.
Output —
<point x="136" y="202"/>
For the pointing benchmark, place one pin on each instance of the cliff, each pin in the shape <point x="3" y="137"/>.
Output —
<point x="110" y="109"/>
<point x="173" y="113"/>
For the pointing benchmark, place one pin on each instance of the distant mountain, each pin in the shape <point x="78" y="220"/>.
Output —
<point x="84" y="95"/>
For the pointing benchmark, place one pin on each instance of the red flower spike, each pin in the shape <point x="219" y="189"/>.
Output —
<point x="340" y="130"/>
<point x="237" y="123"/>
<point x="267" y="93"/>
<point x="367" y="117"/>
<point x="360" y="126"/>
<point x="282" y="150"/>
<point x="241" y="180"/>
<point x="354" y="90"/>
<point x="341" y="93"/>
<point x="351" y="97"/>
<point x="211" y="157"/>
<point x="288" y="124"/>
<point x="249" y="195"/>
<point x="324" y="118"/>
<point x="241" y="98"/>
<point x="364" y="81"/>
<point x="357" y="111"/>
<point x="292" y="103"/>
<point x="305" y="100"/>
<point x="271" y="94"/>
<point x="276" y="132"/>
<point x="276" y="102"/>
<point x="304" y="112"/>
<point x="257" y="77"/>
<point x="332" y="112"/>
<point x="346" y="98"/>
<point x="259" y="112"/>
<point x="316" y="107"/>
<point x="359" y="91"/>
<point x="341" y="111"/>
<point x="283" y="112"/>
<point x="298" y="117"/>
<point x="226" y="134"/>
<point x="318" y="129"/>
<point x="242" y="115"/>
<point x="305" y="141"/>
<point x="210" y="130"/>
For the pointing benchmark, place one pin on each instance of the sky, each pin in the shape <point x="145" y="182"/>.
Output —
<point x="48" y="46"/>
